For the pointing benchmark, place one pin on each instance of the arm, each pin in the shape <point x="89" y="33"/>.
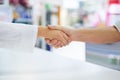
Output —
<point x="53" y="34"/>
<point x="96" y="35"/>
<point x="22" y="37"/>
<point x="18" y="37"/>
<point x="91" y="35"/>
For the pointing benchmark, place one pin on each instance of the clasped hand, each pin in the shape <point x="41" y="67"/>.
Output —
<point x="62" y="36"/>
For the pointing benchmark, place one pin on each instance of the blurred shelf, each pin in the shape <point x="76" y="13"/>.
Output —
<point x="104" y="54"/>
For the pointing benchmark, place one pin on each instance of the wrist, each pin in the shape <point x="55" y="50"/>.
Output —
<point x="73" y="35"/>
<point x="42" y="32"/>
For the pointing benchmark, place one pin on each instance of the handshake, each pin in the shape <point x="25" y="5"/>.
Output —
<point x="56" y="36"/>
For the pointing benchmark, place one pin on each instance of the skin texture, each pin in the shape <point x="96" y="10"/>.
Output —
<point x="90" y="35"/>
<point x="57" y="35"/>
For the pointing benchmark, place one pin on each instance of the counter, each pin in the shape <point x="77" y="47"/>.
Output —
<point x="43" y="65"/>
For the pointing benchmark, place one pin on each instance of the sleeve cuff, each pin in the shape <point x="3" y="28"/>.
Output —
<point x="29" y="36"/>
<point x="117" y="25"/>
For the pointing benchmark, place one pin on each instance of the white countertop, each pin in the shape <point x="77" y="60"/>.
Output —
<point x="43" y="65"/>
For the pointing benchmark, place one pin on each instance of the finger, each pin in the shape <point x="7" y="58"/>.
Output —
<point x="59" y="44"/>
<point x="68" y="39"/>
<point x="64" y="38"/>
<point x="51" y="27"/>
<point x="67" y="31"/>
<point x="53" y="42"/>
<point x="47" y="40"/>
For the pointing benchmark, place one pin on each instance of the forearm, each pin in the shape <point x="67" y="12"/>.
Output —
<point x="97" y="35"/>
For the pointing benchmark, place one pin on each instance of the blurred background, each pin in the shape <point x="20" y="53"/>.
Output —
<point x="70" y="13"/>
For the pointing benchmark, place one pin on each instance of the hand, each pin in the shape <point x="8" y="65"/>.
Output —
<point x="56" y="43"/>
<point x="67" y="31"/>
<point x="57" y="36"/>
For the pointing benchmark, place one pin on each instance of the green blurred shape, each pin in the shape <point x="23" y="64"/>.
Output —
<point x="48" y="6"/>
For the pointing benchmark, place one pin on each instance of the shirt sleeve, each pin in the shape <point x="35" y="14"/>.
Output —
<point x="117" y="25"/>
<point x="18" y="37"/>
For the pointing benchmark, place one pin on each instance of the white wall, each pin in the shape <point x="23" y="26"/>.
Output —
<point x="71" y="4"/>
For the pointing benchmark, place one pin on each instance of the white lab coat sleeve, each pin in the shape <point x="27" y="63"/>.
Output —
<point x="18" y="37"/>
<point x="117" y="25"/>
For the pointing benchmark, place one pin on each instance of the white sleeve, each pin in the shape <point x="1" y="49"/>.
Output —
<point x="117" y="25"/>
<point x="18" y="37"/>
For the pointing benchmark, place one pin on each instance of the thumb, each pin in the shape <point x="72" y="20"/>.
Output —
<point x="55" y="27"/>
<point x="67" y="31"/>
